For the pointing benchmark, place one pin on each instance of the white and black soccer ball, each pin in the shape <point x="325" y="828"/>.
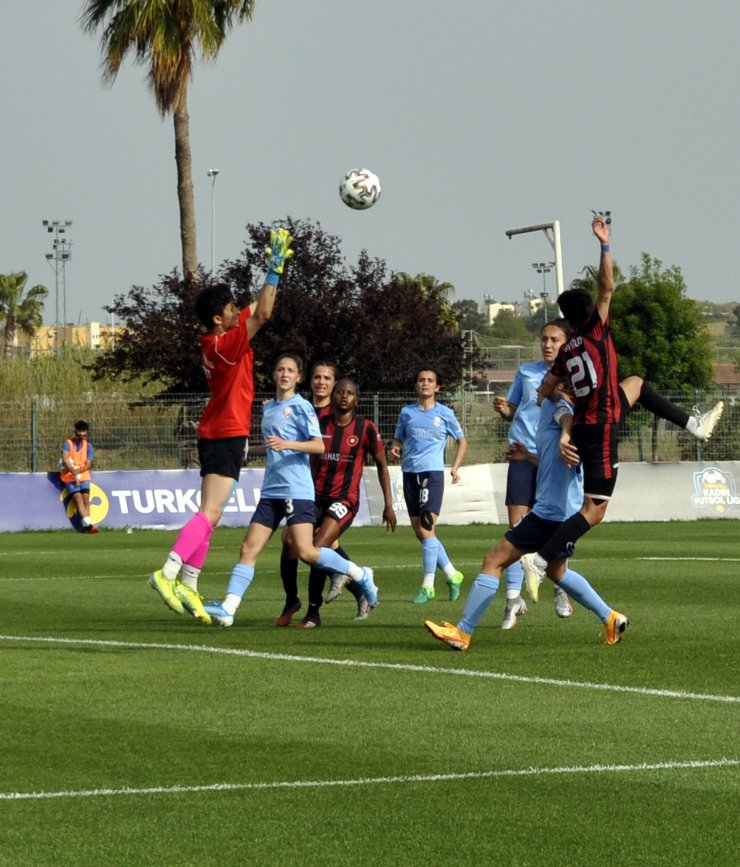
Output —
<point x="360" y="189"/>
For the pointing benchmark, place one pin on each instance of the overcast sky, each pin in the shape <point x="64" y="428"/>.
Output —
<point x="478" y="116"/>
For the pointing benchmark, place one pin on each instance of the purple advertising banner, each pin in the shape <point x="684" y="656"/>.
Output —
<point x="155" y="499"/>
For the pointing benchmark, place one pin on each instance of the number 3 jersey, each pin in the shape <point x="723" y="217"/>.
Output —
<point x="590" y="360"/>
<point x="338" y="472"/>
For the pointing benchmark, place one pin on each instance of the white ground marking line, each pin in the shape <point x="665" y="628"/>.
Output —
<point x="375" y="781"/>
<point x="388" y="666"/>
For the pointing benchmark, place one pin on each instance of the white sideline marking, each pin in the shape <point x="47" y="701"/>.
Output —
<point x="693" y="559"/>
<point x="373" y="781"/>
<point x="392" y="666"/>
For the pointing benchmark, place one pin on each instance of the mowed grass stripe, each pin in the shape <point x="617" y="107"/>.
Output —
<point x="390" y="666"/>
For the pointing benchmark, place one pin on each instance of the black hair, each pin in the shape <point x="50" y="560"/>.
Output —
<point x="350" y="381"/>
<point x="431" y="368"/>
<point x="82" y="425"/>
<point x="322" y="362"/>
<point x="562" y="324"/>
<point x="576" y="305"/>
<point x="212" y="301"/>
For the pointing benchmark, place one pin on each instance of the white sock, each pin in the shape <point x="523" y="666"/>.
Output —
<point x="231" y="603"/>
<point x="190" y="576"/>
<point x="86" y="522"/>
<point x="692" y="424"/>
<point x="172" y="566"/>
<point x="449" y="570"/>
<point x="428" y="581"/>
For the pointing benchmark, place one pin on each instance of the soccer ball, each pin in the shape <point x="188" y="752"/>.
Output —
<point x="360" y="189"/>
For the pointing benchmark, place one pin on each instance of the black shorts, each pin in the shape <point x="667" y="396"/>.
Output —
<point x="598" y="450"/>
<point x="521" y="483"/>
<point x="423" y="492"/>
<point x="342" y="511"/>
<point x="223" y="457"/>
<point x="532" y="532"/>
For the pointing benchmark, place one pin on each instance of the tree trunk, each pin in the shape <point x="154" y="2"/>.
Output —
<point x="185" y="197"/>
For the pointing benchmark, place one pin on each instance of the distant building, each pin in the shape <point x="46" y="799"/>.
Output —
<point x="90" y="335"/>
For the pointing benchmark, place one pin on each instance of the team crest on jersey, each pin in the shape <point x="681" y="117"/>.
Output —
<point x="716" y="489"/>
<point x="287" y="412"/>
<point x="352" y="440"/>
<point x="437" y="421"/>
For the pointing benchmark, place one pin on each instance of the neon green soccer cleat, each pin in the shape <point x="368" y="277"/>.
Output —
<point x="425" y="594"/>
<point x="192" y="602"/>
<point x="453" y="584"/>
<point x="166" y="590"/>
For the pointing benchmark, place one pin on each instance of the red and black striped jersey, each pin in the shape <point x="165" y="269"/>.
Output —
<point x="590" y="360"/>
<point x="337" y="473"/>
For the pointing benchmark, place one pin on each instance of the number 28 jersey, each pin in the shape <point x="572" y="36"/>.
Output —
<point x="590" y="360"/>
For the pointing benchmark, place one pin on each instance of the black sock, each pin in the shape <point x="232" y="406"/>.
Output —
<point x="661" y="406"/>
<point x="289" y="576"/>
<point x="316" y="584"/>
<point x="342" y="553"/>
<point x="564" y="539"/>
<point x="354" y="590"/>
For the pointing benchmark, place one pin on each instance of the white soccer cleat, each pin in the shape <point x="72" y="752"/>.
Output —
<point x="563" y="608"/>
<point x="534" y="575"/>
<point x="706" y="423"/>
<point x="514" y="609"/>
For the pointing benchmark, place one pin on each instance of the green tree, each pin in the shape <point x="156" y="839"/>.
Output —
<point x="20" y="308"/>
<point x="376" y="326"/>
<point x="659" y="333"/>
<point x="469" y="315"/>
<point x="508" y="326"/>
<point x="165" y="35"/>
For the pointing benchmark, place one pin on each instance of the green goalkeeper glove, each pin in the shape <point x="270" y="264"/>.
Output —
<point x="277" y="254"/>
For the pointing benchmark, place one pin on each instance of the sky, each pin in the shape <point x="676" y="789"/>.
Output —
<point x="478" y="116"/>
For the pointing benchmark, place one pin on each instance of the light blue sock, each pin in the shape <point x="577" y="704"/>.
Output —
<point x="429" y="555"/>
<point x="443" y="561"/>
<point x="479" y="598"/>
<point x="333" y="562"/>
<point x="578" y="588"/>
<point x="241" y="578"/>
<point x="514" y="579"/>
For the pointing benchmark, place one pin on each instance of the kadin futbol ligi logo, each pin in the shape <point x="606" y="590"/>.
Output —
<point x="715" y="489"/>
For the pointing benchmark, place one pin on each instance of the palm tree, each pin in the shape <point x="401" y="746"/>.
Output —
<point x="165" y="34"/>
<point x="19" y="309"/>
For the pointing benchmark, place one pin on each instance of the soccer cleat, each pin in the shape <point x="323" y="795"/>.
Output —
<point x="514" y="608"/>
<point x="192" y="602"/>
<point x="218" y="614"/>
<point x="616" y="625"/>
<point x="425" y="594"/>
<point x="707" y="422"/>
<point x="335" y="588"/>
<point x="92" y="529"/>
<point x="290" y="609"/>
<point x="534" y="575"/>
<point x="563" y="608"/>
<point x="453" y="585"/>
<point x="368" y="587"/>
<point x="166" y="590"/>
<point x="310" y="621"/>
<point x="363" y="609"/>
<point x="450" y="634"/>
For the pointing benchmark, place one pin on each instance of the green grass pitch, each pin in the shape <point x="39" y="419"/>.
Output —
<point x="132" y="736"/>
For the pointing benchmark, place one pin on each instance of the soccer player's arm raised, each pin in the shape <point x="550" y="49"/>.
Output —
<point x="277" y="254"/>
<point x="606" y="272"/>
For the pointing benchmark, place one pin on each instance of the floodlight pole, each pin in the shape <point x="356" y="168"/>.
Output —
<point x="60" y="255"/>
<point x="213" y="174"/>
<point x="552" y="233"/>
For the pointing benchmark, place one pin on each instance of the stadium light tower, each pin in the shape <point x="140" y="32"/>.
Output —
<point x="61" y="254"/>
<point x="544" y="268"/>
<point x="552" y="233"/>
<point x="213" y="174"/>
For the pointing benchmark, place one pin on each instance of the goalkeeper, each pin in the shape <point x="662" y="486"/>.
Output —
<point x="224" y="426"/>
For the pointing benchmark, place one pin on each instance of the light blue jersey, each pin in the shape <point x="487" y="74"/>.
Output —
<point x="424" y="433"/>
<point x="523" y="393"/>
<point x="559" y="489"/>
<point x="288" y="472"/>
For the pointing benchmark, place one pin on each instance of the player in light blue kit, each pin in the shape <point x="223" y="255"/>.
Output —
<point x="421" y="436"/>
<point x="290" y="431"/>
<point x="559" y="493"/>
<point x="520" y="407"/>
